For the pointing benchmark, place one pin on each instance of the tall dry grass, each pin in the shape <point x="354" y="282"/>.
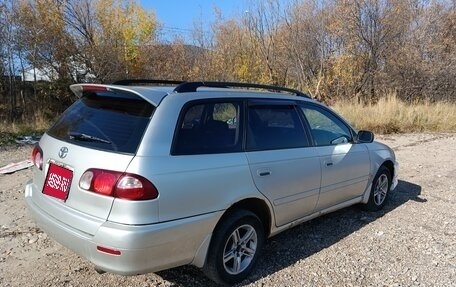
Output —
<point x="10" y="131"/>
<point x="23" y="127"/>
<point x="392" y="115"/>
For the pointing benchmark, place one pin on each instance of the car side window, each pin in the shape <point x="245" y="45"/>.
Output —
<point x="208" y="127"/>
<point x="326" y="128"/>
<point x="274" y="127"/>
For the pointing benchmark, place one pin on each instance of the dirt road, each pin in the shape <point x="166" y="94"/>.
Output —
<point x="410" y="243"/>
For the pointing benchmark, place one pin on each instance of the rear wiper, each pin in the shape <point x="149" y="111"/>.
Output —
<point x="85" y="137"/>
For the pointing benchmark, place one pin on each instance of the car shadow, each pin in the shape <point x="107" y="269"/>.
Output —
<point x="302" y="241"/>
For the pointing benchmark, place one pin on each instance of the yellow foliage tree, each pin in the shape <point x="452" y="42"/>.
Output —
<point x="127" y="27"/>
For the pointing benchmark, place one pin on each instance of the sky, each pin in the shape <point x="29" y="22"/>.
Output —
<point x="177" y="17"/>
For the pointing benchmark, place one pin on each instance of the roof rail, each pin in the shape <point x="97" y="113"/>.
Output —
<point x="131" y="82"/>
<point x="187" y="87"/>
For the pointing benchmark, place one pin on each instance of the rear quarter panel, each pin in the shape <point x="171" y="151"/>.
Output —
<point x="189" y="185"/>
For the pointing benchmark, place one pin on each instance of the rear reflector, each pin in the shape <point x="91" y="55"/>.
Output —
<point x="108" y="250"/>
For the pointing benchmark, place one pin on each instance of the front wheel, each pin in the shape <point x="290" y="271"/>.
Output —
<point x="380" y="190"/>
<point x="234" y="248"/>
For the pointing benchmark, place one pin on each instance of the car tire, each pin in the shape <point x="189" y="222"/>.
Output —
<point x="235" y="247"/>
<point x="380" y="190"/>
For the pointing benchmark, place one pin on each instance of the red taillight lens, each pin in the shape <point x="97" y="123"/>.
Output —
<point x="37" y="157"/>
<point x="117" y="184"/>
<point x="104" y="182"/>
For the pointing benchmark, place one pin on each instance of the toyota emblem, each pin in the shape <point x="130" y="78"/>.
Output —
<point x="63" y="152"/>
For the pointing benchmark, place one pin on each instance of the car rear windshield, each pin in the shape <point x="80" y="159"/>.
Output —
<point x="105" y="120"/>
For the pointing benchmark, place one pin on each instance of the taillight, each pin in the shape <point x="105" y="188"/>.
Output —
<point x="135" y="187"/>
<point x="118" y="184"/>
<point x="37" y="157"/>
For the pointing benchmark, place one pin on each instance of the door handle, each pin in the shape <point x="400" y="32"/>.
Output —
<point x="329" y="164"/>
<point x="263" y="172"/>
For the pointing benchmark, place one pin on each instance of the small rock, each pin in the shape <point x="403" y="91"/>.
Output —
<point x="33" y="240"/>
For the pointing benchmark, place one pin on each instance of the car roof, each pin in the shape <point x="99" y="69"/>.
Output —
<point x="155" y="94"/>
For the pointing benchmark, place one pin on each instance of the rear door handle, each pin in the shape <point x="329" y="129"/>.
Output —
<point x="329" y="163"/>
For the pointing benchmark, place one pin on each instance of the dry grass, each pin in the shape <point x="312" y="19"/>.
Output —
<point x="391" y="115"/>
<point x="9" y="132"/>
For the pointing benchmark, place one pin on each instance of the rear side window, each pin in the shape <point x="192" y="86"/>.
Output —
<point x="274" y="127"/>
<point x="105" y="120"/>
<point x="208" y="127"/>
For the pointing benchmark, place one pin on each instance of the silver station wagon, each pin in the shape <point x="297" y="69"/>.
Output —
<point x="143" y="175"/>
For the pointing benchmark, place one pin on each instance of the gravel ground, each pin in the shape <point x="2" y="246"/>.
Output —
<point x="412" y="242"/>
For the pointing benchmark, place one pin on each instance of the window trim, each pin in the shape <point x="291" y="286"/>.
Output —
<point x="244" y="105"/>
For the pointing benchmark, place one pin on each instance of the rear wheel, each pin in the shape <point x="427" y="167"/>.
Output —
<point x="380" y="190"/>
<point x="234" y="248"/>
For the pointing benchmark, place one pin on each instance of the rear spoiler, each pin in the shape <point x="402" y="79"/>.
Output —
<point x="78" y="89"/>
<point x="152" y="96"/>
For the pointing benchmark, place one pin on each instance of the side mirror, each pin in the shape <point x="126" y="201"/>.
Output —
<point x="365" y="136"/>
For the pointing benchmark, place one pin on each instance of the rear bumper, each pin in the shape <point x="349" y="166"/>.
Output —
<point x="143" y="248"/>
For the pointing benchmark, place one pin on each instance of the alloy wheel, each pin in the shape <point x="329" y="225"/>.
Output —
<point x="381" y="189"/>
<point x="240" y="249"/>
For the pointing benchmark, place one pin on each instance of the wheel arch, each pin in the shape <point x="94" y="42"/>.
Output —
<point x="388" y="163"/>
<point x="257" y="206"/>
<point x="390" y="166"/>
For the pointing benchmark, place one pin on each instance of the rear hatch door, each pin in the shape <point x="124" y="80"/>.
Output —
<point x="102" y="130"/>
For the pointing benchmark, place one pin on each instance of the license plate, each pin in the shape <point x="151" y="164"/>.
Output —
<point x="58" y="181"/>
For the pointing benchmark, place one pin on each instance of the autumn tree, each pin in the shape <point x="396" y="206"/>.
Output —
<point x="233" y="57"/>
<point x="69" y="41"/>
<point x="111" y="36"/>
<point x="44" y="38"/>
<point x="367" y="30"/>
<point x="9" y="83"/>
<point x="309" y="45"/>
<point x="2" y="43"/>
<point x="424" y="64"/>
<point x="86" y="39"/>
<point x="263" y="21"/>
